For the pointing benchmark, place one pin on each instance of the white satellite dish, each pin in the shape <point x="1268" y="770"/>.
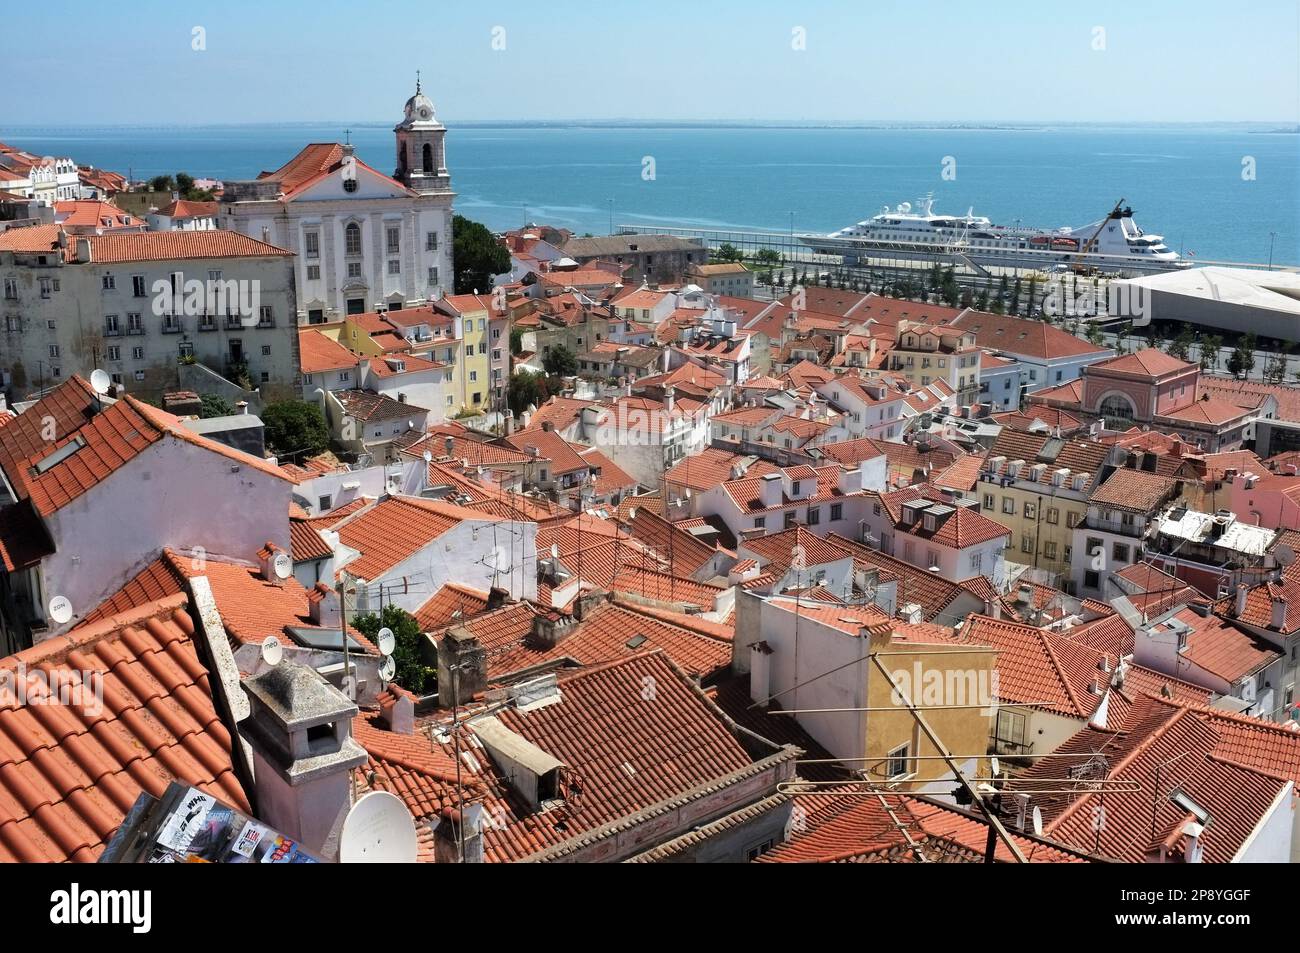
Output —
<point x="385" y="641"/>
<point x="555" y="550"/>
<point x="282" y="566"/>
<point x="428" y="456"/>
<point x="378" y="830"/>
<point x="100" y="382"/>
<point x="387" y="669"/>
<point x="997" y="767"/>
<point x="1038" y="821"/>
<point x="272" y="651"/>
<point x="60" y="609"/>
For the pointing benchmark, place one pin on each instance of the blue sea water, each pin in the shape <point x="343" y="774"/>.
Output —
<point x="1185" y="183"/>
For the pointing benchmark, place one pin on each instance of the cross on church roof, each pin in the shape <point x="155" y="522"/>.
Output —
<point x="417" y="81"/>
<point x="347" y="136"/>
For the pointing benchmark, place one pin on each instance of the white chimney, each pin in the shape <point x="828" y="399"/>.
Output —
<point x="1278" y="619"/>
<point x="324" y="608"/>
<point x="851" y="481"/>
<point x="770" y="490"/>
<point x="1242" y="591"/>
<point x="266" y="558"/>
<point x="300" y="731"/>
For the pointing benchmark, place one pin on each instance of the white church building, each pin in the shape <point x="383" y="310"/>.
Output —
<point x="364" y="241"/>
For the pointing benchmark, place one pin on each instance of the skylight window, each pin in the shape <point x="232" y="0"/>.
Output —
<point x="52" y="460"/>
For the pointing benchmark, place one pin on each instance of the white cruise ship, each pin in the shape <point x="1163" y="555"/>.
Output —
<point x="1115" y="244"/>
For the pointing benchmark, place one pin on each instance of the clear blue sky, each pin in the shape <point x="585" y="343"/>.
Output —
<point x="893" y="60"/>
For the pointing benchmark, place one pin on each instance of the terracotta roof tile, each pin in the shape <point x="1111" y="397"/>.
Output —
<point x="72" y="770"/>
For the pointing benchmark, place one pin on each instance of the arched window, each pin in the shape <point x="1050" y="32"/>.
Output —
<point x="1117" y="406"/>
<point x="428" y="159"/>
<point x="352" y="238"/>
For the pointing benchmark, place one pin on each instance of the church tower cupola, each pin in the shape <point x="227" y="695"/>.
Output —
<point x="421" y="155"/>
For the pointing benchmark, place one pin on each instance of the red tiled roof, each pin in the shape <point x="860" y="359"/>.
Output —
<point x="73" y="770"/>
<point x="1134" y="491"/>
<point x="1037" y="668"/>
<point x="395" y="529"/>
<point x="450" y="604"/>
<point x="1148" y="362"/>
<point x="318" y="352"/>
<point x="110" y="439"/>
<point x="711" y="466"/>
<point x="1024" y="337"/>
<point x="1160" y="749"/>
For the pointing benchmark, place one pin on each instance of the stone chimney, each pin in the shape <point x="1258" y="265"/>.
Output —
<point x="1240" y="608"/>
<point x="669" y="398"/>
<point x="84" y="256"/>
<point x="299" y="729"/>
<point x="454" y="834"/>
<point x="323" y="606"/>
<point x="497" y="597"/>
<point x="462" y="667"/>
<point x="589" y="602"/>
<point x="551" y="632"/>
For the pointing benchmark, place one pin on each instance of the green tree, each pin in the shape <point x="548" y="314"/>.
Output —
<point x="476" y="256"/>
<point x="1210" y="345"/>
<point x="162" y="183"/>
<point x="295" y="428"/>
<point x="768" y="256"/>
<point x="411" y="671"/>
<point x="727" y="252"/>
<point x="1242" y="359"/>
<point x="214" y="405"/>
<point x="561" y="361"/>
<point x="1094" y="333"/>
<point x="1181" y="346"/>
<point x="516" y="341"/>
<point x="527" y="388"/>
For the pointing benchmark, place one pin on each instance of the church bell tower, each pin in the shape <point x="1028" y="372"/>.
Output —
<point x="421" y="155"/>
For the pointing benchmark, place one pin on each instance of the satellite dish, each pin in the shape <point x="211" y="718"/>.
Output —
<point x="1038" y="821"/>
<point x="387" y="669"/>
<point x="378" y="830"/>
<point x="100" y="381"/>
<point x="555" y="550"/>
<point x="997" y="767"/>
<point x="385" y="641"/>
<point x="1284" y="555"/>
<point x="282" y="566"/>
<point x="428" y="456"/>
<point x="272" y="651"/>
<point x="60" y="609"/>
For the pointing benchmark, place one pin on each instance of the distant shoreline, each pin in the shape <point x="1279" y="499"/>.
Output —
<point x="1253" y="127"/>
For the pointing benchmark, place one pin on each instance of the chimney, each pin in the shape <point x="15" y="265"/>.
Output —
<point x="760" y="673"/>
<point x="548" y="426"/>
<point x="323" y="606"/>
<point x="1242" y="591"/>
<point x="510" y="423"/>
<point x="397" y="709"/>
<point x="550" y="632"/>
<point x="770" y="490"/>
<point x="669" y="398"/>
<point x="462" y="667"/>
<point x="589" y="602"/>
<point x="1278" y="619"/>
<point x="299" y="729"/>
<point x="497" y="597"/>
<point x="266" y="558"/>
<point x="84" y="256"/>
<point x="993" y="608"/>
<point x="851" y="481"/>
<point x="241" y="407"/>
<point x="454" y="834"/>
<point x="627" y="387"/>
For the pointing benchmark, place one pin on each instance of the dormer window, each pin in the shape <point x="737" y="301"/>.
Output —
<point x="929" y="524"/>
